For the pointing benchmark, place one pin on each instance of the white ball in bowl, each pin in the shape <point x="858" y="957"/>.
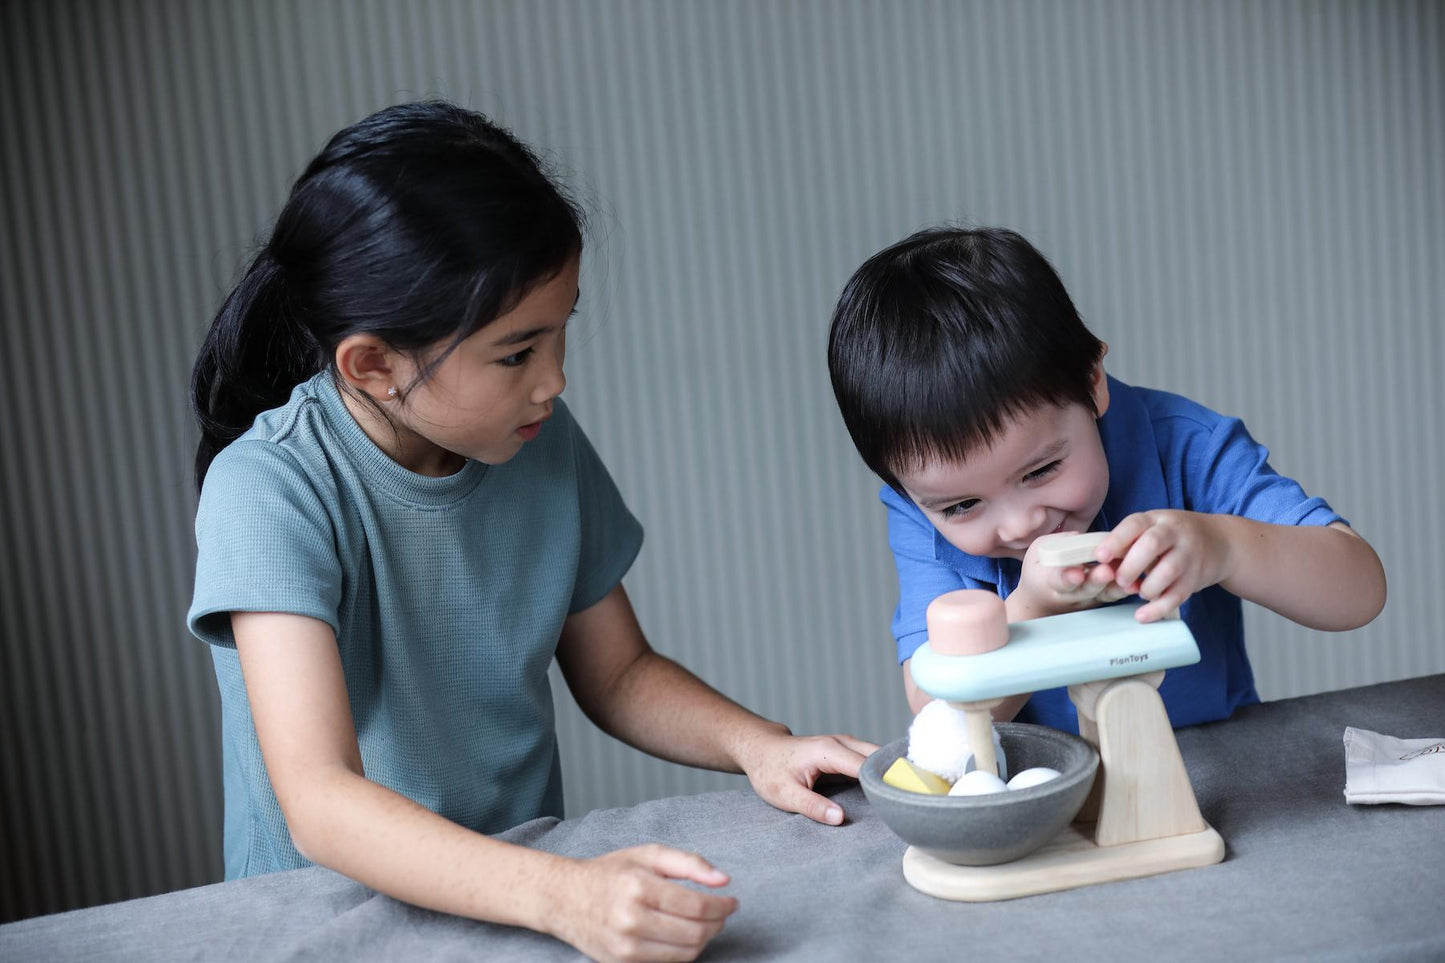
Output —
<point x="977" y="782"/>
<point x="1036" y="776"/>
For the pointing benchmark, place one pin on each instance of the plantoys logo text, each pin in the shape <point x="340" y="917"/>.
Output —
<point x="1129" y="659"/>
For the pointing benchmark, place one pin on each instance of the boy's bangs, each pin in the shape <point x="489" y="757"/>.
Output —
<point x="942" y="419"/>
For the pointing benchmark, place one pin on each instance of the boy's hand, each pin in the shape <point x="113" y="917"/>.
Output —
<point x="1052" y="590"/>
<point x="622" y="906"/>
<point x="1165" y="556"/>
<point x="783" y="769"/>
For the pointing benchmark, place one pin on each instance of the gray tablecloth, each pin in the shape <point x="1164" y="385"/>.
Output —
<point x="1306" y="876"/>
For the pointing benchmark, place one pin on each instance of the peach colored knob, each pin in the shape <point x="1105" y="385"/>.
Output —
<point x="967" y="622"/>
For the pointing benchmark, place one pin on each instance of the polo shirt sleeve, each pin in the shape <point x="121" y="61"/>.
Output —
<point x="921" y="576"/>
<point x="1230" y="474"/>
<point x="611" y="535"/>
<point x="264" y="543"/>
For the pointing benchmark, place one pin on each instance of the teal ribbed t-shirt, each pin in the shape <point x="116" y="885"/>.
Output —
<point x="447" y="596"/>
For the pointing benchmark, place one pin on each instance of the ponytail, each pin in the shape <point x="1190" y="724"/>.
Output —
<point x="253" y="355"/>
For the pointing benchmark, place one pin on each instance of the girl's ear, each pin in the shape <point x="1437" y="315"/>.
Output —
<point x="1099" y="384"/>
<point x="368" y="364"/>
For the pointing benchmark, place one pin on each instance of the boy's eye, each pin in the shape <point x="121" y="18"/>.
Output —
<point x="960" y="509"/>
<point x="514" y="360"/>
<point x="1043" y="472"/>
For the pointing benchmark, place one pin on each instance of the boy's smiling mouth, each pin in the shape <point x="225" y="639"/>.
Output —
<point x="1062" y="526"/>
<point x="1024" y="546"/>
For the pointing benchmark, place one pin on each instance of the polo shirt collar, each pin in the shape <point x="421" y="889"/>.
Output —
<point x="978" y="567"/>
<point x="1136" y="477"/>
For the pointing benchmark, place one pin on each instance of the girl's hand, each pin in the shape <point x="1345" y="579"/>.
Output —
<point x="621" y="906"/>
<point x="1052" y="590"/>
<point x="783" y="769"/>
<point x="1165" y="556"/>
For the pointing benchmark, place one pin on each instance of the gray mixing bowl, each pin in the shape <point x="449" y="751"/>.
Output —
<point x="997" y="828"/>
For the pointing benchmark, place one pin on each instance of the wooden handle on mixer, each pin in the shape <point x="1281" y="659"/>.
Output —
<point x="978" y="719"/>
<point x="971" y="622"/>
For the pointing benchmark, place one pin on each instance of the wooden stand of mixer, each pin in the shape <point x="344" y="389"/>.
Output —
<point x="1140" y="819"/>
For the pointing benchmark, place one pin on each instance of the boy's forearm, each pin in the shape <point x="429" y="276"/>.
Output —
<point x="363" y="830"/>
<point x="1021" y="608"/>
<point x="660" y="707"/>
<point x="1323" y="577"/>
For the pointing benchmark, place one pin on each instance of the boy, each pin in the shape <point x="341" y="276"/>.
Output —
<point x="973" y="390"/>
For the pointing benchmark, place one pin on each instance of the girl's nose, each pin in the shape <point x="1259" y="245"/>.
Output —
<point x="550" y="385"/>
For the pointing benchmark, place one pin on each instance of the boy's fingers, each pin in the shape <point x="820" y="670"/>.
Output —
<point x="1141" y="555"/>
<point x="1164" y="605"/>
<point x="1113" y="593"/>
<point x="1163" y="574"/>
<point x="1065" y="581"/>
<point x="1155" y="611"/>
<point x="1121" y="538"/>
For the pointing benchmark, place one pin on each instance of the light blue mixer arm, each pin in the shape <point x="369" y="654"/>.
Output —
<point x="1087" y="646"/>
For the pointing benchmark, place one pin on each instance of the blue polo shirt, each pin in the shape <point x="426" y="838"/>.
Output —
<point x="1164" y="451"/>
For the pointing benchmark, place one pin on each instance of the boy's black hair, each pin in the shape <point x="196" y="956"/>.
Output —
<point x="939" y="340"/>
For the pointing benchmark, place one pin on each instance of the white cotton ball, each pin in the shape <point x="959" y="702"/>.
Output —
<point x="1036" y="776"/>
<point x="938" y="741"/>
<point x="977" y="783"/>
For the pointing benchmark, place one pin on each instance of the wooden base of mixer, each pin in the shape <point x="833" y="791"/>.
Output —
<point x="1069" y="860"/>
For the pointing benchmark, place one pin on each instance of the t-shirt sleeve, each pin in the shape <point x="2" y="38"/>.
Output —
<point x="1230" y="474"/>
<point x="921" y="576"/>
<point x="611" y="535"/>
<point x="264" y="543"/>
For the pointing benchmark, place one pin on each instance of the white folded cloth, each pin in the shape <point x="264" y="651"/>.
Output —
<point x="1383" y="769"/>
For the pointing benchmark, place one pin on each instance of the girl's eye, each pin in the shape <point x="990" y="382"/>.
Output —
<point x="1043" y="472"/>
<point x="961" y="509"/>
<point x="515" y="360"/>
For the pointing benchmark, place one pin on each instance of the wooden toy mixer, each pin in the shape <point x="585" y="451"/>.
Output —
<point x="1144" y="815"/>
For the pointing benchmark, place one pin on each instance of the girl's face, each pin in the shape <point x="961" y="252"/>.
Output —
<point x="1045" y="473"/>
<point x="492" y="393"/>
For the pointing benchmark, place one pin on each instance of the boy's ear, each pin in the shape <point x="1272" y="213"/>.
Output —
<point x="1099" y="384"/>
<point x="367" y="364"/>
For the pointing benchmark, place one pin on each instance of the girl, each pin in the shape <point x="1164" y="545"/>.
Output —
<point x="400" y="525"/>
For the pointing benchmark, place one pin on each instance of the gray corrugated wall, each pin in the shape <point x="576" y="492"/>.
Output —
<point x="1245" y="199"/>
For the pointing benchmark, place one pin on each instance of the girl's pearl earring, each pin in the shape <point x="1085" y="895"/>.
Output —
<point x="391" y="392"/>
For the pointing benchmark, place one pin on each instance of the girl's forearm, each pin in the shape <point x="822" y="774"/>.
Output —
<point x="349" y="824"/>
<point x="1321" y="577"/>
<point x="663" y="709"/>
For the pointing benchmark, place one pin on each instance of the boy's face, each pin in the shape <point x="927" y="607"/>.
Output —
<point x="1045" y="472"/>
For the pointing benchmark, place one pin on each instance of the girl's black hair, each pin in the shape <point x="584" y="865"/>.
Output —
<point x="938" y="341"/>
<point x="420" y="224"/>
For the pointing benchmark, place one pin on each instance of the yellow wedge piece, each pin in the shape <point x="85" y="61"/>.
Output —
<point x="905" y="775"/>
